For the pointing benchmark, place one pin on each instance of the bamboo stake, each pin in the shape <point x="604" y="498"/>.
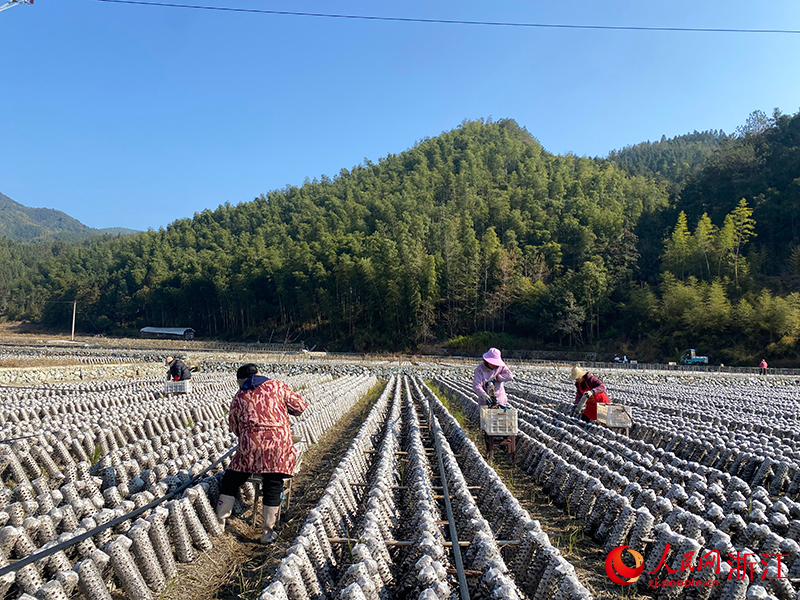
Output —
<point x="411" y="543"/>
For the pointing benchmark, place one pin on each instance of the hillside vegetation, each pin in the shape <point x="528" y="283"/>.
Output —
<point x="22" y="223"/>
<point x="478" y="229"/>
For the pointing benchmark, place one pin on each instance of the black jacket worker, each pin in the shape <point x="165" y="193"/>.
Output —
<point x="178" y="371"/>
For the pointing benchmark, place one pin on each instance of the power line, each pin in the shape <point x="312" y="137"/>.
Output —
<point x="454" y="21"/>
<point x="11" y="3"/>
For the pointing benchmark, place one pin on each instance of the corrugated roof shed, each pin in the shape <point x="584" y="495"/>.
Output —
<point x="166" y="330"/>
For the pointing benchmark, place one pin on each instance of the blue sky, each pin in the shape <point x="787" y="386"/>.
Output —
<point x="134" y="116"/>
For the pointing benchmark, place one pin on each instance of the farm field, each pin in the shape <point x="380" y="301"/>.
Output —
<point x="107" y="486"/>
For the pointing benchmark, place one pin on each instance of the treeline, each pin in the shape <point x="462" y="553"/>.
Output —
<point x="478" y="229"/>
<point x="705" y="314"/>
<point x="728" y="271"/>
<point x="673" y="159"/>
<point x="708" y="294"/>
<point x="19" y="263"/>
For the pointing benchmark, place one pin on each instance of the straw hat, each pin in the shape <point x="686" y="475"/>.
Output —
<point x="493" y="358"/>
<point x="576" y="372"/>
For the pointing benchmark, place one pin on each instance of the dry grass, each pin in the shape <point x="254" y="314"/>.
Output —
<point x="31" y="334"/>
<point x="19" y="363"/>
<point x="565" y="532"/>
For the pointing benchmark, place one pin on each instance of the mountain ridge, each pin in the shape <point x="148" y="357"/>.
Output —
<point x="26" y="224"/>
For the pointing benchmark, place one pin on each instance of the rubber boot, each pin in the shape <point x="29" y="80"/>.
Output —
<point x="224" y="508"/>
<point x="268" y="533"/>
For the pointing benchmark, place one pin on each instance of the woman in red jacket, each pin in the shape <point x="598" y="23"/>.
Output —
<point x="259" y="417"/>
<point x="589" y="385"/>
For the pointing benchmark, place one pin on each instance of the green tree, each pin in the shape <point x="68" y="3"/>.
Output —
<point x="737" y="230"/>
<point x="677" y="248"/>
<point x="703" y="247"/>
<point x="777" y="317"/>
<point x="718" y="309"/>
<point x="592" y="283"/>
<point x="569" y="318"/>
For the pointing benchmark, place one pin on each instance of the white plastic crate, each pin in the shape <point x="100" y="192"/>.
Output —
<point x="615" y="415"/>
<point x="178" y="387"/>
<point x="496" y="421"/>
<point x="298" y="461"/>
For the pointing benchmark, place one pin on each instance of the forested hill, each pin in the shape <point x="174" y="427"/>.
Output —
<point x="478" y="229"/>
<point x="763" y="167"/>
<point x="463" y="232"/>
<point x="22" y="223"/>
<point x="674" y="159"/>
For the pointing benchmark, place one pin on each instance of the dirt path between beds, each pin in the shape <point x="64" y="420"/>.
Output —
<point x="565" y="531"/>
<point x="238" y="567"/>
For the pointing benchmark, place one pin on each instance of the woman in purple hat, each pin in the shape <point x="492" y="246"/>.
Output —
<point x="491" y="372"/>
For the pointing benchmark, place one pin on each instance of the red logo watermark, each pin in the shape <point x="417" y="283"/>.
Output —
<point x="741" y="566"/>
<point x="617" y="570"/>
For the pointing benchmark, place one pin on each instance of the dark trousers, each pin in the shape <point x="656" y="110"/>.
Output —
<point x="271" y="485"/>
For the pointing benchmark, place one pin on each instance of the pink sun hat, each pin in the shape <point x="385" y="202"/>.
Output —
<point x="493" y="358"/>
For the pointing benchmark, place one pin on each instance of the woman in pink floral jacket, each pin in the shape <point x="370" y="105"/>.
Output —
<point x="259" y="416"/>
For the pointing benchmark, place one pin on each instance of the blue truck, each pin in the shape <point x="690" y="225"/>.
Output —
<point x="688" y="357"/>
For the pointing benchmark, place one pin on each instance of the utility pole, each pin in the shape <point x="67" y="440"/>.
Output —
<point x="74" y="311"/>
<point x="11" y="3"/>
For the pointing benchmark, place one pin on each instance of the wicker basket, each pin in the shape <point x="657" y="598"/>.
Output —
<point x="496" y="421"/>
<point x="178" y="387"/>
<point x="615" y="415"/>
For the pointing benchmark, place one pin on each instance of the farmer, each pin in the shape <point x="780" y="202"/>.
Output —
<point x="590" y="386"/>
<point x="259" y="417"/>
<point x="490" y="375"/>
<point x="178" y="371"/>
